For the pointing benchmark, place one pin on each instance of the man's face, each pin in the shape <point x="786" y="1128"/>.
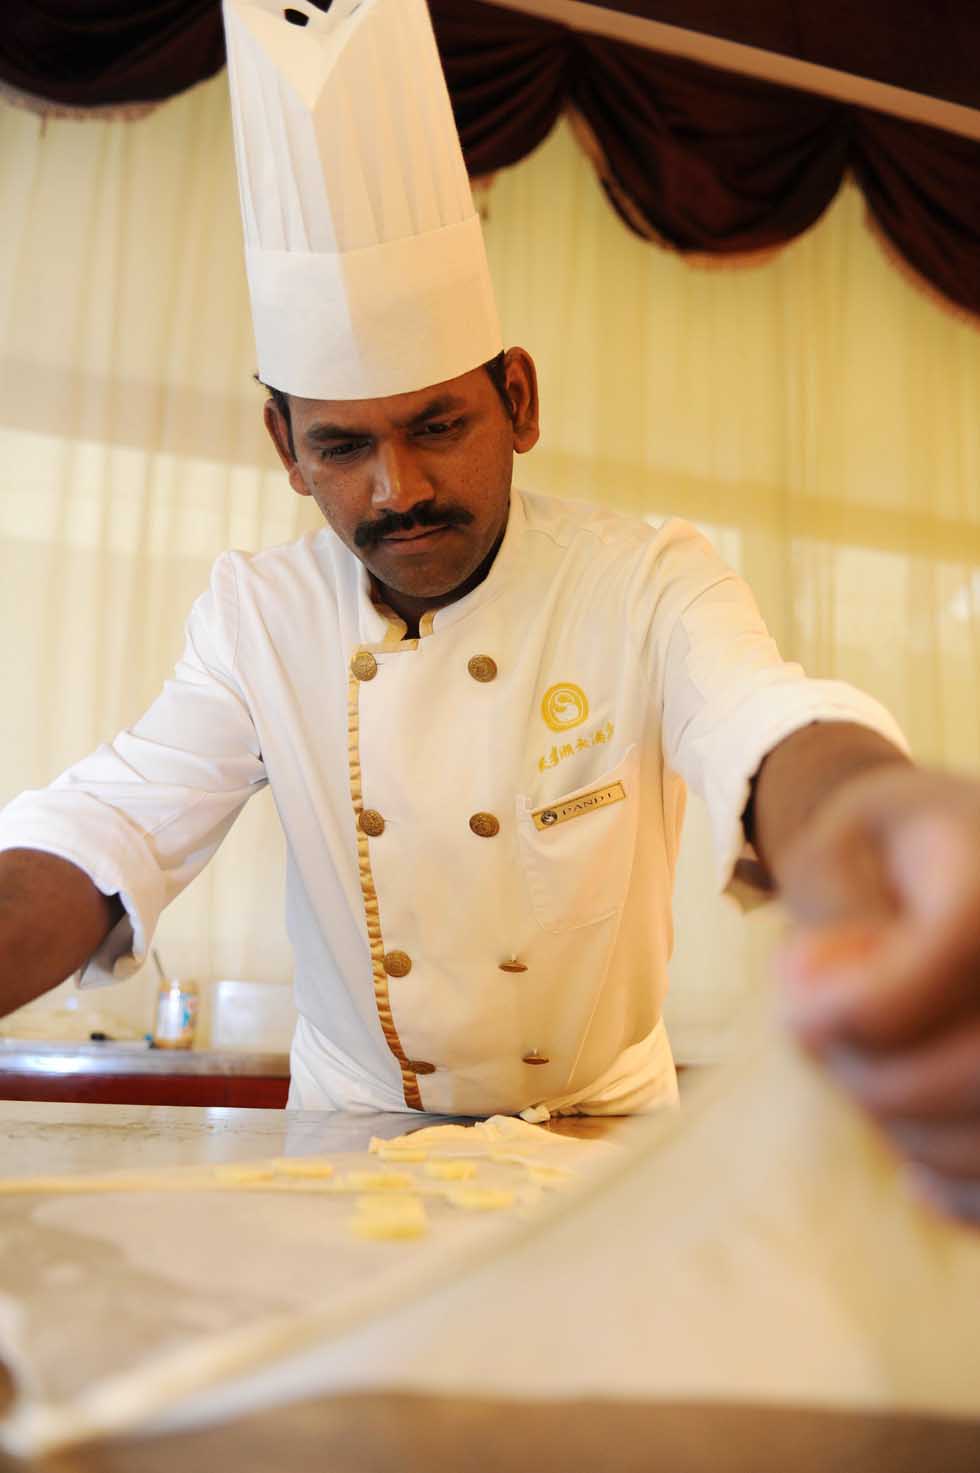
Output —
<point x="416" y="485"/>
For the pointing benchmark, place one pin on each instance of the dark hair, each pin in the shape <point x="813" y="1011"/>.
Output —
<point x="496" y="371"/>
<point x="495" y="368"/>
<point x="281" y="401"/>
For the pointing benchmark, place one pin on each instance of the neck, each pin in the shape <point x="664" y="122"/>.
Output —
<point x="411" y="607"/>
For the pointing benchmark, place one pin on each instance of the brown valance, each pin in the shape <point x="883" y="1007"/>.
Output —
<point x="701" y="159"/>
<point x="92" y="53"/>
<point x="931" y="48"/>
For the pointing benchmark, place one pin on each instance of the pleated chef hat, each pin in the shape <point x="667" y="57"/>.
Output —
<point x="365" y="257"/>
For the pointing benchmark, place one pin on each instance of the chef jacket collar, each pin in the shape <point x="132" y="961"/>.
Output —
<point x="379" y="625"/>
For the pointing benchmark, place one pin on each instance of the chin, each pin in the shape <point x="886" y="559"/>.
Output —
<point x="432" y="587"/>
<point x="420" y="581"/>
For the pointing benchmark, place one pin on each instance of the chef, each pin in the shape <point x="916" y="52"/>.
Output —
<point x="479" y="710"/>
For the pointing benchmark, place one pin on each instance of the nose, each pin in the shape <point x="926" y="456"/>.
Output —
<point x="399" y="481"/>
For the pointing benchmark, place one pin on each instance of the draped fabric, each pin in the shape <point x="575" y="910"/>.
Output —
<point x="699" y="159"/>
<point x="923" y="188"/>
<point x="815" y="413"/>
<point x="89" y="53"/>
<point x="926" y="48"/>
<point x="704" y="160"/>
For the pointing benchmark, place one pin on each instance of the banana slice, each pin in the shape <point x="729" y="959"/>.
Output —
<point x="548" y="1176"/>
<point x="242" y="1176"/>
<point x="451" y="1170"/>
<point x="378" y="1181"/>
<point x="387" y="1229"/>
<point x="481" y="1199"/>
<point x="389" y="1218"/>
<point x="303" y="1166"/>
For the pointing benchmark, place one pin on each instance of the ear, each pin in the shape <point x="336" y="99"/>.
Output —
<point x="522" y="391"/>
<point x="279" y="435"/>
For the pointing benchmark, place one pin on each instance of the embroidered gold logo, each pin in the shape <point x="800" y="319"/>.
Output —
<point x="564" y="706"/>
<point x="546" y="818"/>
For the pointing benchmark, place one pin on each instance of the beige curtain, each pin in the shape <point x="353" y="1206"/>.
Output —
<point x="817" y="413"/>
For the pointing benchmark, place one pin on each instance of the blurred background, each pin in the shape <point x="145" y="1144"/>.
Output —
<point x="777" y="371"/>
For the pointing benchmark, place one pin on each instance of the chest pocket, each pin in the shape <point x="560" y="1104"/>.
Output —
<point x="577" y="850"/>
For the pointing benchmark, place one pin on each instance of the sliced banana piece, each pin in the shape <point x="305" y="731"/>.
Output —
<point x="451" y="1170"/>
<point x="240" y="1176"/>
<point x="481" y="1199"/>
<point x="548" y="1176"/>
<point x="378" y="1181"/>
<point x="383" y="1218"/>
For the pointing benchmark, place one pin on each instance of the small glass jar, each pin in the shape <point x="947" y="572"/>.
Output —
<point x="176" y="1014"/>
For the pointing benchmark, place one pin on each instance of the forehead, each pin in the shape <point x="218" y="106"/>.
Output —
<point x="396" y="410"/>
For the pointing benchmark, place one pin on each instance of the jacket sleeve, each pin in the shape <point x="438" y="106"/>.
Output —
<point x="143" y="814"/>
<point x="729" y="698"/>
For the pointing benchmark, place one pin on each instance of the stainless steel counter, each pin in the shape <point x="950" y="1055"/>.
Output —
<point x="37" y="1139"/>
<point x="399" y="1433"/>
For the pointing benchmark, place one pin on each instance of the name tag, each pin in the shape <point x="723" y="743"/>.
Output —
<point x="547" y="818"/>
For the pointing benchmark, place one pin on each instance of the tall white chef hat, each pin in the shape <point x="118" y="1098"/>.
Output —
<point x="366" y="264"/>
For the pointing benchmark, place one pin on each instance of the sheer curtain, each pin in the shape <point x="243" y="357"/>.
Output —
<point x="815" y="412"/>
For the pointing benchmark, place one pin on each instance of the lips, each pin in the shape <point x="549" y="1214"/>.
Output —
<point x="420" y="536"/>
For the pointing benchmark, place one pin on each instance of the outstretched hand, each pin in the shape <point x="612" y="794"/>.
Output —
<point x="881" y="974"/>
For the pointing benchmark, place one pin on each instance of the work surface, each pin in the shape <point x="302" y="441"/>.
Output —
<point x="39" y="1138"/>
<point x="121" y="1260"/>
<point x="377" y="1431"/>
<point x="406" y="1434"/>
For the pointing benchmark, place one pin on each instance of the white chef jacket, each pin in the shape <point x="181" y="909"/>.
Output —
<point x="482" y="823"/>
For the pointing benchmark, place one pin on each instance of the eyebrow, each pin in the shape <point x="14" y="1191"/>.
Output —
<point x="444" y="404"/>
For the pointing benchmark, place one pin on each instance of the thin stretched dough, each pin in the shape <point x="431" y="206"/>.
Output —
<point x="280" y="1174"/>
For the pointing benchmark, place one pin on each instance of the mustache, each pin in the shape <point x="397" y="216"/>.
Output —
<point x="369" y="534"/>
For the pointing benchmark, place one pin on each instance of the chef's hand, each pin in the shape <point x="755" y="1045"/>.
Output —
<point x="881" y="974"/>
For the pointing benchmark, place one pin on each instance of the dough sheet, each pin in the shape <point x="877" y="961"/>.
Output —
<point x="761" y="1246"/>
<point x="121" y="1292"/>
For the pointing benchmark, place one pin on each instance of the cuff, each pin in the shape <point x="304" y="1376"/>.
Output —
<point x="114" y="855"/>
<point x="749" y="741"/>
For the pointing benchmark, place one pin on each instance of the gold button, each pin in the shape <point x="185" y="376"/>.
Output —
<point x="364" y="666"/>
<point x="512" y="966"/>
<point x="535" y="1058"/>
<point x="485" y="825"/>
<point x="482" y="668"/>
<point x="397" y="963"/>
<point x="371" y="823"/>
<point x="419" y="1066"/>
